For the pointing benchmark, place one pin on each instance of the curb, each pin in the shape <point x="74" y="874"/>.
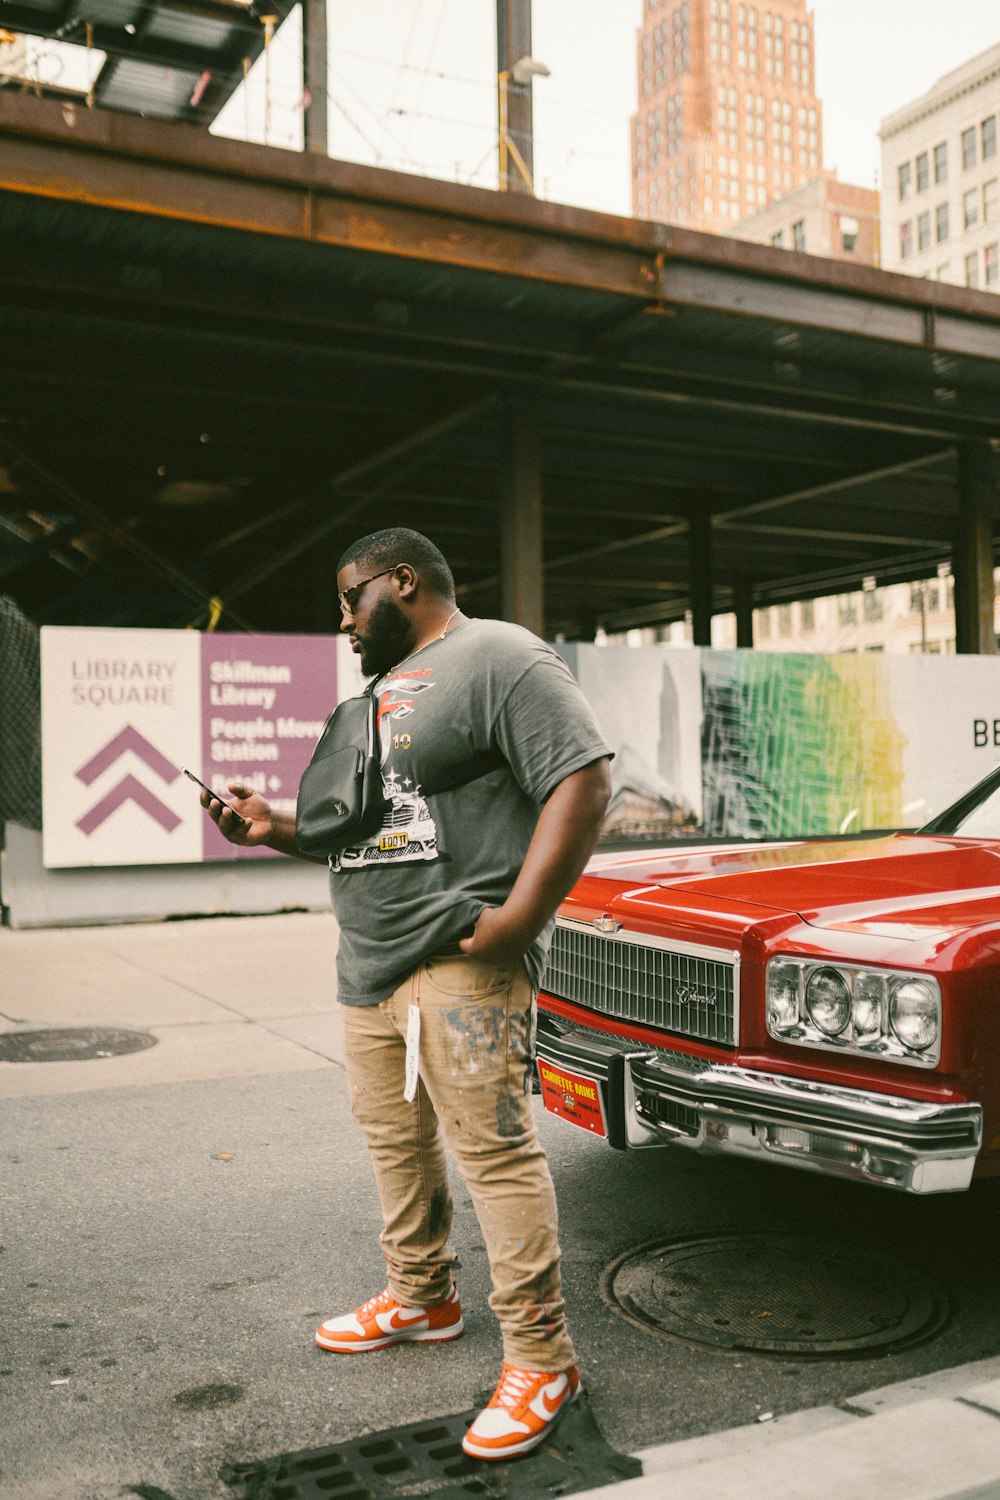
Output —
<point x="934" y="1438"/>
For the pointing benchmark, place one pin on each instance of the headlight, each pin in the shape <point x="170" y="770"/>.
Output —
<point x="914" y="1013"/>
<point x="828" y="1001"/>
<point x="869" y="1005"/>
<point x="783" y="996"/>
<point x="882" y="1013"/>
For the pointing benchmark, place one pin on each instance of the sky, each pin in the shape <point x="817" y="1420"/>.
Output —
<point x="412" y="85"/>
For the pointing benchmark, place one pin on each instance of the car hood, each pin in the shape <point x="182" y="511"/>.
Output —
<point x="908" y="886"/>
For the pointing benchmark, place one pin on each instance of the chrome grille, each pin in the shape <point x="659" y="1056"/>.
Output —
<point x="399" y="815"/>
<point x="676" y="988"/>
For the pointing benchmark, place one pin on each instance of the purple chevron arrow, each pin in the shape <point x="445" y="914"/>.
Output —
<point x="128" y="790"/>
<point x="128" y="739"/>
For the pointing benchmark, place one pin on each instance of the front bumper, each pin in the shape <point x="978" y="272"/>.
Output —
<point x="655" y="1098"/>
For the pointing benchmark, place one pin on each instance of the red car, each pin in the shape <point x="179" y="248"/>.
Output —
<point x="833" y="1006"/>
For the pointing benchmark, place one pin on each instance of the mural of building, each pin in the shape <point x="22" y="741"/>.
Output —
<point x="941" y="179"/>
<point x="728" y="118"/>
<point x="643" y="805"/>
<point x="798" y="746"/>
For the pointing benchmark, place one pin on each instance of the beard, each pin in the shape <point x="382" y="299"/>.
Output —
<point x="387" y="639"/>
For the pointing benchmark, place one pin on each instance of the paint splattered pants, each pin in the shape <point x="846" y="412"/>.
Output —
<point x="474" y="1093"/>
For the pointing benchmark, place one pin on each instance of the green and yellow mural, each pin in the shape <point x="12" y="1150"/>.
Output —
<point x="797" y="745"/>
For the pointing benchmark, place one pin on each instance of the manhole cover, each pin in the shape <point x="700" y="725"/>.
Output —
<point x="776" y="1294"/>
<point x="71" y="1044"/>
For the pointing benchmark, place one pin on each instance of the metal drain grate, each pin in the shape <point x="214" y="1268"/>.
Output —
<point x="426" y="1458"/>
<point x="72" y="1044"/>
<point x="777" y="1294"/>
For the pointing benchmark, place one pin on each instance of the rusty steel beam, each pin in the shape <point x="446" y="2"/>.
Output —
<point x="52" y="149"/>
<point x="141" y="166"/>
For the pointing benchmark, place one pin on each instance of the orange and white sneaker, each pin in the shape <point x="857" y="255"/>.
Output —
<point x="382" y="1321"/>
<point x="524" y="1408"/>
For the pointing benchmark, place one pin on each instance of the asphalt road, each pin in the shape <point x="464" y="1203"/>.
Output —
<point x="171" y="1244"/>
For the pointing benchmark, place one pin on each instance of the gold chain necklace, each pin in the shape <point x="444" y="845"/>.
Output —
<point x="431" y="642"/>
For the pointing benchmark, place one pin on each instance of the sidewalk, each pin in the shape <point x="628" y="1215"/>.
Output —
<point x="221" y="991"/>
<point x="238" y="999"/>
<point x="936" y="1438"/>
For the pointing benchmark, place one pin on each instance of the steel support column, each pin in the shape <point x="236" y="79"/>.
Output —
<point x="314" y="77"/>
<point x="743" y="606"/>
<point x="700" y="560"/>
<point x="973" y="558"/>
<point x="522" y="591"/>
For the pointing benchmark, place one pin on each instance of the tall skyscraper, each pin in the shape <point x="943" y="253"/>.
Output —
<point x="728" y="118"/>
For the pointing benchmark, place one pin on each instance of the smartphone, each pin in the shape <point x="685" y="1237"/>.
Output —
<point x="224" y="800"/>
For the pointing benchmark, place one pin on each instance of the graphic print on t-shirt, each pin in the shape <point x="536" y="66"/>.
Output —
<point x="408" y="832"/>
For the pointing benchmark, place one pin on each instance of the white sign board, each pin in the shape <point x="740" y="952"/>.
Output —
<point x="124" y="710"/>
<point x="119" y="719"/>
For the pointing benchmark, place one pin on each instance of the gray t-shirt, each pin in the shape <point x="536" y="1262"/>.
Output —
<point x="441" y="857"/>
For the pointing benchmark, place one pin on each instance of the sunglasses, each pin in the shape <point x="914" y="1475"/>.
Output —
<point x="349" y="597"/>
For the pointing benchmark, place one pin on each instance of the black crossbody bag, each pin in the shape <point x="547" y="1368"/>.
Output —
<point x="341" y="799"/>
<point x="340" y="795"/>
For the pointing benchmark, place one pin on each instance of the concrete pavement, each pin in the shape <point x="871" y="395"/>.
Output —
<point x="936" y="1438"/>
<point x="242" y="1008"/>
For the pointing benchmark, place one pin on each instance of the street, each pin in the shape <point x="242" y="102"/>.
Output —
<point x="176" y="1221"/>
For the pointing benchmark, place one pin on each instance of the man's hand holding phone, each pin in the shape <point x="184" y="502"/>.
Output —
<point x="245" y="818"/>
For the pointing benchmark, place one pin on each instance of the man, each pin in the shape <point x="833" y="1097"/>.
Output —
<point x="445" y="918"/>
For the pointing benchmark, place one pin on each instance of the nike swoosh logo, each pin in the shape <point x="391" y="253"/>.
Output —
<point x="553" y="1406"/>
<point x="399" y="1318"/>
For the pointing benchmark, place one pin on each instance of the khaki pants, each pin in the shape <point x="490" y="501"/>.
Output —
<point x="474" y="1091"/>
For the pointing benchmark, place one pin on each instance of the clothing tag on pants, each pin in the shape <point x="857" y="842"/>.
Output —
<point x="412" y="1052"/>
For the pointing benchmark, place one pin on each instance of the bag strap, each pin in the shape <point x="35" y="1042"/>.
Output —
<point x="374" y="748"/>
<point x="480" y="765"/>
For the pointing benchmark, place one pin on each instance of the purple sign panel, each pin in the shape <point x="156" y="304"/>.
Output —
<point x="265" y="699"/>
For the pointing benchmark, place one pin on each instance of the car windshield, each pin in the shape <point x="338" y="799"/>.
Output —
<point x="974" y="816"/>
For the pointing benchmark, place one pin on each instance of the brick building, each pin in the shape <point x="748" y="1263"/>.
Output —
<point x="728" y="119"/>
<point x="824" y="217"/>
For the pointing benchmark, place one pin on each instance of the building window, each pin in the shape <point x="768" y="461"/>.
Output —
<point x="923" y="231"/>
<point x="941" y="162"/>
<point x="903" y="175"/>
<point x="970" y="208"/>
<point x="763" y="623"/>
<point x="925" y="597"/>
<point x="778" y="240"/>
<point x="905" y="240"/>
<point x="969" y="147"/>
<point x="849" y="236"/>
<point x="972" y="269"/>
<point x="847" y="605"/>
<point x="923" y="172"/>
<point x="872" y="602"/>
<point x="991" y="201"/>
<point x="989" y="137"/>
<point x="807" y="614"/>
<point x="799" y="234"/>
<point x="991" y="265"/>
<point x="784" y="619"/>
<point x="941" y="222"/>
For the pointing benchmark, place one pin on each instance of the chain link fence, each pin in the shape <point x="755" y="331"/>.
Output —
<point x="20" y="718"/>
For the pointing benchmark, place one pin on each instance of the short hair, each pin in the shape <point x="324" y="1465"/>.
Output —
<point x="398" y="544"/>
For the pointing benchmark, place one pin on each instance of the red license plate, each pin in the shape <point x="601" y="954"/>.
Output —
<point x="573" y="1097"/>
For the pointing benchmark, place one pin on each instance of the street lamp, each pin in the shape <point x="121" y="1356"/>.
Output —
<point x="522" y="72"/>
